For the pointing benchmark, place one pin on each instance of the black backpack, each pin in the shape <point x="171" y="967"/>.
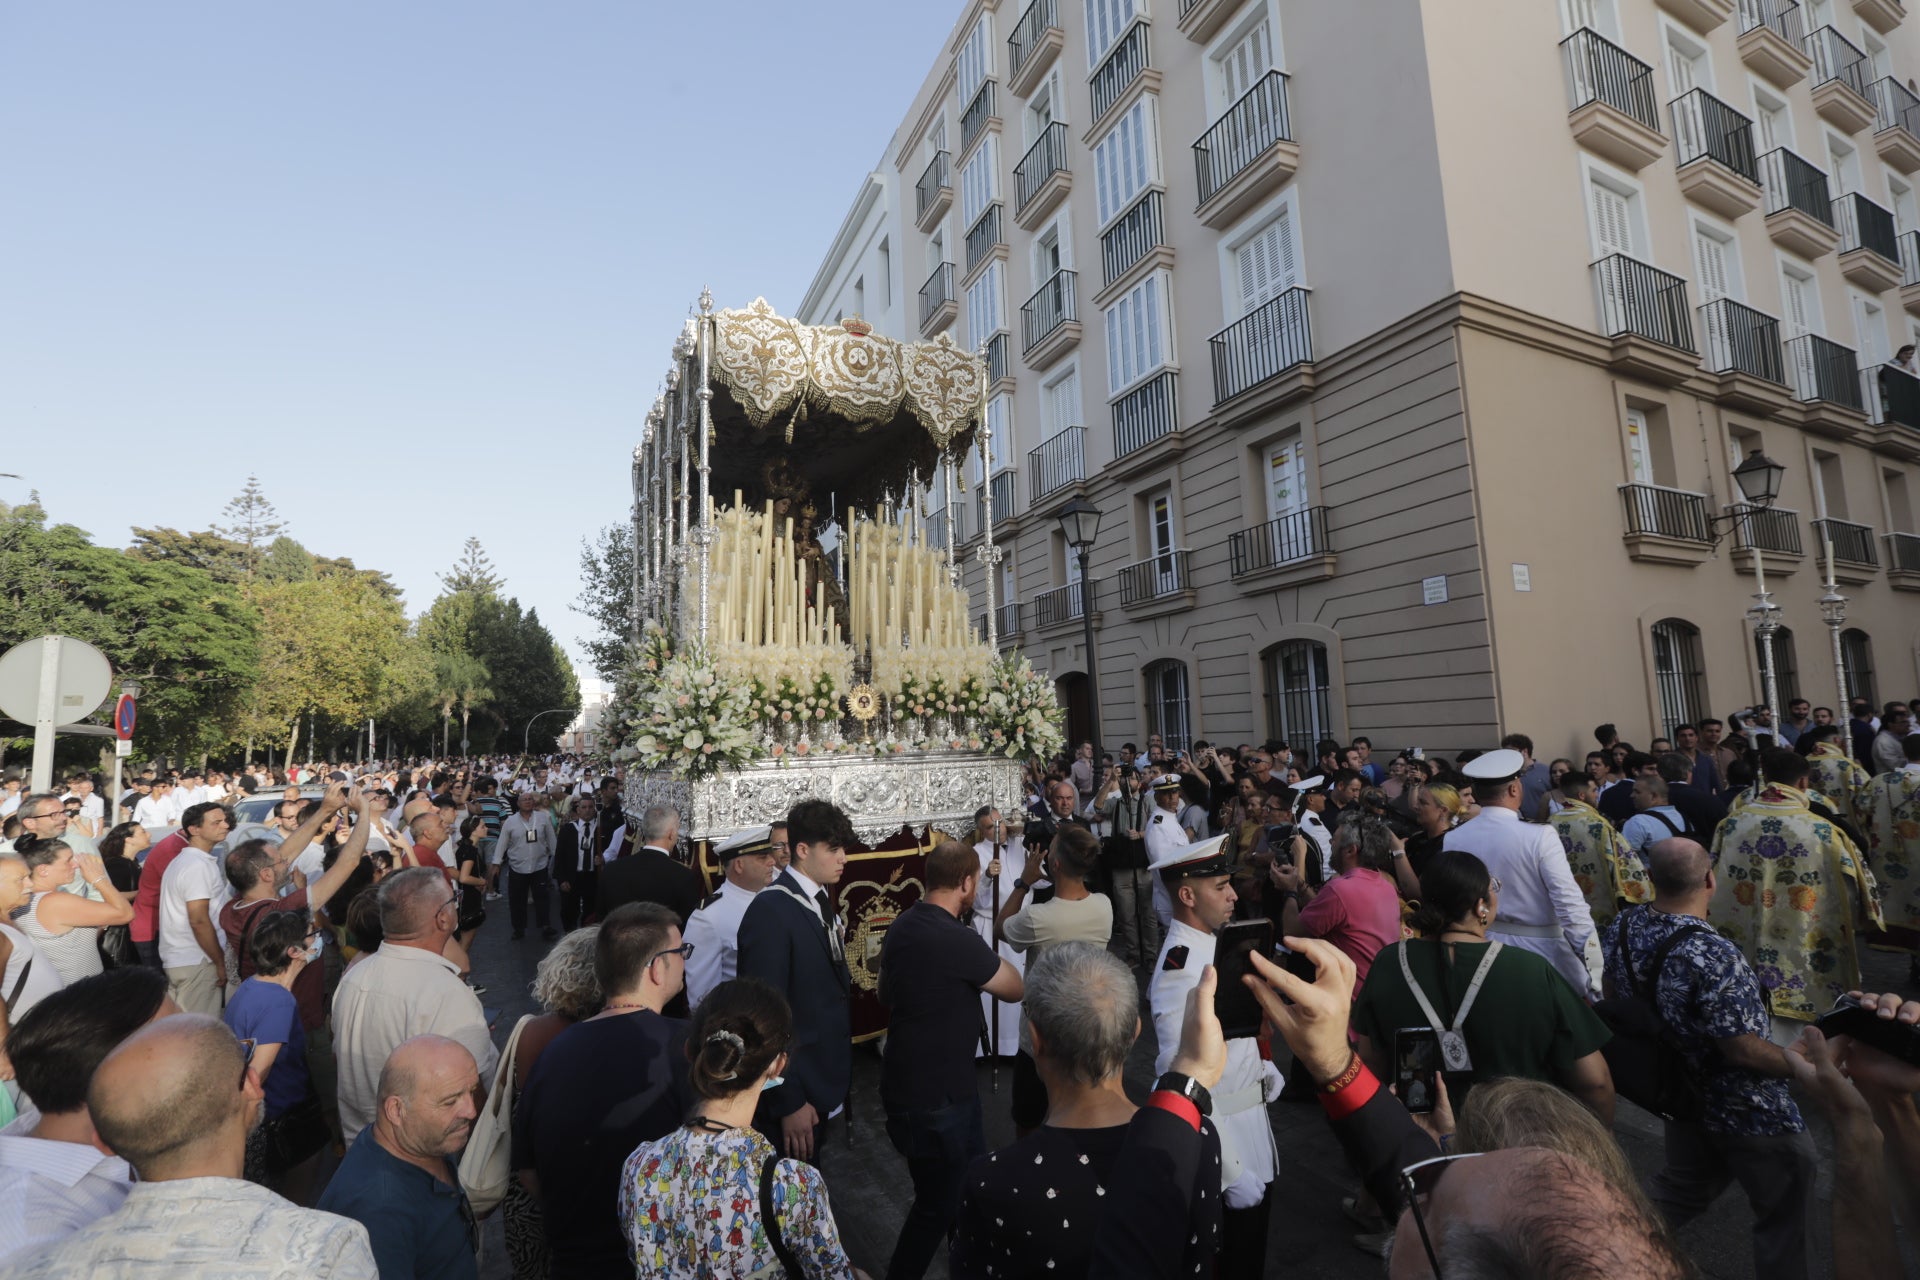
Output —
<point x="1648" y="1068"/>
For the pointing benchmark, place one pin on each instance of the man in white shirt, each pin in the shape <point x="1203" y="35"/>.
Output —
<point x="192" y="891"/>
<point x="1001" y="861"/>
<point x="93" y="810"/>
<point x="12" y="792"/>
<point x="527" y="845"/>
<point x="1654" y="819"/>
<point x="746" y="862"/>
<point x="156" y="808"/>
<point x="404" y="989"/>
<point x="1164" y="836"/>
<point x="56" y="1175"/>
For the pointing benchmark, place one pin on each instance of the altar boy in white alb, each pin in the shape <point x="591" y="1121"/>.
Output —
<point x="1199" y="882"/>
<point x="1001" y="860"/>
<point x="747" y="865"/>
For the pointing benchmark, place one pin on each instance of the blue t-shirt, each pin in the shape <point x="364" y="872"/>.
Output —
<point x="266" y="1013"/>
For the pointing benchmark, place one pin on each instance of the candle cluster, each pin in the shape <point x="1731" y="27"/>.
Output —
<point x="763" y="596"/>
<point x="899" y="591"/>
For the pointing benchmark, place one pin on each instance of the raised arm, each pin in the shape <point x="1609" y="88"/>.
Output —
<point x="71" y="911"/>
<point x="323" y="889"/>
<point x="303" y="835"/>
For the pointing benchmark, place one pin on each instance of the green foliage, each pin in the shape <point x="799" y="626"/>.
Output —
<point x="287" y="561"/>
<point x="251" y="524"/>
<point x="606" y="596"/>
<point x="205" y="550"/>
<point x="325" y="646"/>
<point x="473" y="572"/>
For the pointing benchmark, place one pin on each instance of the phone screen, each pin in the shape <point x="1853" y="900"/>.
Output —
<point x="1235" y="1005"/>
<point x="1416" y="1067"/>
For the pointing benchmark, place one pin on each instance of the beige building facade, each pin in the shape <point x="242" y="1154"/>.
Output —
<point x="1408" y="347"/>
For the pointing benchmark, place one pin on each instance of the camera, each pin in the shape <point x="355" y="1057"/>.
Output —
<point x="1280" y="835"/>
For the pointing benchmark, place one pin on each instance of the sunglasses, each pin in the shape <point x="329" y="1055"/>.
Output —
<point x="1418" y="1182"/>
<point x="684" y="950"/>
<point x="246" y="1059"/>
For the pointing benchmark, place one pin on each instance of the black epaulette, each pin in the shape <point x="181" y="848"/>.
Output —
<point x="1176" y="960"/>
<point x="711" y="899"/>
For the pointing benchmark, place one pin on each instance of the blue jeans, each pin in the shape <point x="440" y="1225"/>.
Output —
<point x="937" y="1146"/>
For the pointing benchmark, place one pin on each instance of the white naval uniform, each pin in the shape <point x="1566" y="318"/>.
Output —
<point x="714" y="931"/>
<point x="1541" y="907"/>
<point x="1013" y="860"/>
<point x="1248" y="1160"/>
<point x="1315" y="830"/>
<point x="1163" y="835"/>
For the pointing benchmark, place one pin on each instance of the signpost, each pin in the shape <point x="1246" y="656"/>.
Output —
<point x="51" y="683"/>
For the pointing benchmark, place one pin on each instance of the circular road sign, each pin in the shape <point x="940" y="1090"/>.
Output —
<point x="82" y="678"/>
<point x="123" y="715"/>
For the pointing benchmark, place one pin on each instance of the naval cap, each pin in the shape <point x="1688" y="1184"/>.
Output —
<point x="1167" y="782"/>
<point x="1202" y="858"/>
<point x="1495" y="766"/>
<point x="751" y="840"/>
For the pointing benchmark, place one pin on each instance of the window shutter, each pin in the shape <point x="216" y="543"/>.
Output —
<point x="1610" y="221"/>
<point x="1712" y="252"/>
<point x="1245" y="63"/>
<point x="1267" y="264"/>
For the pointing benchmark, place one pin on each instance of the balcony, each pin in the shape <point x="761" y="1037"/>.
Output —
<point x="1799" y="210"/>
<point x="1896" y="124"/>
<point x="936" y="531"/>
<point x="1125" y="63"/>
<point x="1158" y="584"/>
<point x="1909" y="243"/>
<point x="1610" y="101"/>
<point x="1050" y="321"/>
<point x="1006" y="621"/>
<point x="1773" y="41"/>
<point x="1741" y="347"/>
<point x="997" y="358"/>
<point x="1066" y="604"/>
<point x="1041" y="180"/>
<point x="1892" y="396"/>
<point x="1284" y="552"/>
<point x="1869" y="251"/>
<point x="984" y="239"/>
<point x="1143" y="415"/>
<point x="1773" y="531"/>
<point x="1839" y="80"/>
<point x="1033" y="46"/>
<point x="1826" y="381"/>
<point x="1701" y="15"/>
<point x="1271" y="342"/>
<point x="933" y="194"/>
<point x="1882" y="15"/>
<point x="1644" y="311"/>
<point x="1666" y="526"/>
<point x="1247" y="154"/>
<point x="1058" y="462"/>
<point x="1714" y="146"/>
<point x="1134" y="237"/>
<point x="1000" y="489"/>
<point x="978" y="115"/>
<point x="939" y="304"/>
<point x="1855" y="560"/>
<point x="1903" y="561"/>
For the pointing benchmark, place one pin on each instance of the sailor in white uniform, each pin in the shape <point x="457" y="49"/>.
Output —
<point x="1163" y="836"/>
<point x="746" y="862"/>
<point x="1002" y="856"/>
<point x="1541" y="907"/>
<point x="1202" y="888"/>
<point x="1307" y="818"/>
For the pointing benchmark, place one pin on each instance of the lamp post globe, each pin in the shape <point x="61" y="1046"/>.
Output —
<point x="1759" y="479"/>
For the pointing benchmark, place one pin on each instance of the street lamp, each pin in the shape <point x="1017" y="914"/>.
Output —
<point x="527" y="737"/>
<point x="1080" y="525"/>
<point x="1759" y="479"/>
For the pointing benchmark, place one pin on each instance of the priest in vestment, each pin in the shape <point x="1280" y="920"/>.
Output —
<point x="1001" y="861"/>
<point x="1893" y="830"/>
<point x="1835" y="776"/>
<point x="1605" y="866"/>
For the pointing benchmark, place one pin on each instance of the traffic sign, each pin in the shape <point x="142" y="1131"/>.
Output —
<point x="52" y="681"/>
<point x="123" y="716"/>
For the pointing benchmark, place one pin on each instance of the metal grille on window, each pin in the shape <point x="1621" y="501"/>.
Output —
<point x="1786" y="668"/>
<point x="1167" y="704"/>
<point x="1299" y="688"/>
<point x="1856" y="655"/>
<point x="1677" y="670"/>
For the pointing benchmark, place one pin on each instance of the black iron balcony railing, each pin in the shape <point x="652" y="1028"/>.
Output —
<point x="1134" y="234"/>
<point x="1000" y="489"/>
<point x="1046" y="157"/>
<point x="1706" y="128"/>
<point x="1903" y="552"/>
<point x="1895" y="107"/>
<point x="1119" y="68"/>
<point x="1642" y="300"/>
<point x="1601" y="71"/>
<point x="937" y="528"/>
<point x="1051" y="306"/>
<point x="1821" y="370"/>
<point x="1166" y="574"/>
<point x="1862" y="224"/>
<point x="1263" y="344"/>
<point x="1773" y="529"/>
<point x="932" y="182"/>
<point x="1836" y="58"/>
<point x="1144" y="414"/>
<point x="1058" y="461"/>
<point x="1739" y="339"/>
<point x="1277" y="542"/>
<point x="1895" y="395"/>
<point x="1040" y="17"/>
<point x="982" y="236"/>
<point x="1006" y="619"/>
<point x="1792" y="183"/>
<point x="1066" y="604"/>
<point x="1784" y="16"/>
<point x="1667" y="513"/>
<point x="975" y="117"/>
<point x="996" y="357"/>
<point x="1851" y="542"/>
<point x="936" y="292"/>
<point x="1241" y="136"/>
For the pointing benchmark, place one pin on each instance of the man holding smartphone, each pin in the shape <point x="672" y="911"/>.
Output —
<point x="1199" y="882"/>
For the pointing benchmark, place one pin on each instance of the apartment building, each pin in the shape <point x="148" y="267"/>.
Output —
<point x="1407" y="348"/>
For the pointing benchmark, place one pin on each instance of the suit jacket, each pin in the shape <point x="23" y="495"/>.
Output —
<point x="650" y="876"/>
<point x="572" y="858"/>
<point x="1703" y="810"/>
<point x="607" y="823"/>
<point x="784" y="944"/>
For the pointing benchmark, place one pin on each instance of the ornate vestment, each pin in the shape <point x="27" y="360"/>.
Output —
<point x="1837" y="778"/>
<point x="1893" y="828"/>
<point x="1604" y="864"/>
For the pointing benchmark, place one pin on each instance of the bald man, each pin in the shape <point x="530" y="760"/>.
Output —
<point x="399" y="1179"/>
<point x="176" y="1101"/>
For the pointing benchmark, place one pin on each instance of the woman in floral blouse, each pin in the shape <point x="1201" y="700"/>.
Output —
<point x="709" y="1171"/>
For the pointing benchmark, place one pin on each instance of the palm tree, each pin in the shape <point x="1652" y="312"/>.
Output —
<point x="469" y="677"/>
<point x="446" y="695"/>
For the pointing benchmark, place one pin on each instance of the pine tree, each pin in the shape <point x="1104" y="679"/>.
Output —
<point x="473" y="572"/>
<point x="253" y="524"/>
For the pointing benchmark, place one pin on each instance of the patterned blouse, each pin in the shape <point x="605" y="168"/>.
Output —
<point x="713" y="1179"/>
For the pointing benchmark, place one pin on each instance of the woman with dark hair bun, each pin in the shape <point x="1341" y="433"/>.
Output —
<point x="702" y="1171"/>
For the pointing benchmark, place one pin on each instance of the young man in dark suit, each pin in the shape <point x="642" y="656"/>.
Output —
<point x="791" y="939"/>
<point x="575" y="865"/>
<point x="653" y="874"/>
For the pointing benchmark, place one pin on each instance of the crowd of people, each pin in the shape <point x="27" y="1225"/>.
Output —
<point x="241" y="1033"/>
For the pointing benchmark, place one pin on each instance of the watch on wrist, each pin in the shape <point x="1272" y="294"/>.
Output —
<point x="1187" y="1087"/>
<point x="1021" y="884"/>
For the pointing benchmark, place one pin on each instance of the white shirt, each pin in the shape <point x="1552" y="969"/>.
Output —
<point x="1163" y="835"/>
<point x="1537" y="890"/>
<point x="525" y="844"/>
<point x="49" y="1190"/>
<point x="192" y="876"/>
<point x="616" y="844"/>
<point x="810" y="890"/>
<point x="41" y="981"/>
<point x="153" y="813"/>
<point x="714" y="931"/>
<point x="990" y="895"/>
<point x="9" y="803"/>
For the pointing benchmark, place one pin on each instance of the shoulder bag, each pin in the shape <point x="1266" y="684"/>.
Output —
<point x="1648" y="1068"/>
<point x="485" y="1166"/>
<point x="788" y="1262"/>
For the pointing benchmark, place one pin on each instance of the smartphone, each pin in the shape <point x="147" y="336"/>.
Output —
<point x="1416" y="1067"/>
<point x="1235" y="1005"/>
<point x="1847" y="1018"/>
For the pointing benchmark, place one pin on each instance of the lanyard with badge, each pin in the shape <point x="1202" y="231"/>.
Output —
<point x="1453" y="1045"/>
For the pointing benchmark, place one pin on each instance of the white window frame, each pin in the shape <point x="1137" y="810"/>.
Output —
<point x="973" y="65"/>
<point x="985" y="162"/>
<point x="1857" y="301"/>
<point x="1728" y="235"/>
<point x="1606" y="11"/>
<point x="1288" y="201"/>
<point x="1125" y="14"/>
<point x="1120" y="381"/>
<point x="1895" y="183"/>
<point x="1048" y="427"/>
<point x="1267" y="11"/>
<point x="1672" y="33"/>
<point x="1621" y="183"/>
<point x="1760" y="93"/>
<point x="936" y="139"/>
<point x="1294" y="438"/>
<point x="1786" y="264"/>
<point x="1051" y="91"/>
<point x="1838" y="144"/>
<point x="986" y="302"/>
<point x="1636" y="426"/>
<point x="1147" y="109"/>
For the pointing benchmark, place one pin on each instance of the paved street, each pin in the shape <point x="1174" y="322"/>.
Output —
<point x="1311" y="1237"/>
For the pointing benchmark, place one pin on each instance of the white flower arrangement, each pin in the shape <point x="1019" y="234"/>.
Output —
<point x="692" y="720"/>
<point x="1022" y="717"/>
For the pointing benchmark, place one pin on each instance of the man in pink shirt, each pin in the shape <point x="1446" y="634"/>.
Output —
<point x="1358" y="910"/>
<point x="202" y="826"/>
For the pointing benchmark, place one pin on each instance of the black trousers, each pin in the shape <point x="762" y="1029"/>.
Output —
<point x="1243" y="1240"/>
<point x="519" y="883"/>
<point x="576" y="902"/>
<point x="938" y="1145"/>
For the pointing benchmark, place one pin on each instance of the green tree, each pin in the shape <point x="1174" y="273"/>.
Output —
<point x="252" y="523"/>
<point x="473" y="572"/>
<point x="606" y="596"/>
<point x="461" y="680"/>
<point x="286" y="561"/>
<point x="325" y="646"/>
<point x="527" y="672"/>
<point x="224" y="559"/>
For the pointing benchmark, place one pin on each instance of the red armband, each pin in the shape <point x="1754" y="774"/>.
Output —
<point x="1351" y="1092"/>
<point x="1169" y="1101"/>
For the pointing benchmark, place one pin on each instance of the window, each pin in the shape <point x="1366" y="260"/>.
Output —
<point x="1905" y="215"/>
<point x="1830" y="490"/>
<point x="975" y="62"/>
<point x="1688" y="67"/>
<point x="1716" y="260"/>
<point x="1799" y="300"/>
<point x="1870" y="331"/>
<point x="1286" y="477"/>
<point x="1773" y="123"/>
<point x="1786" y="666"/>
<point x="1050" y="251"/>
<point x="936" y="250"/>
<point x="1877" y="55"/>
<point x="1843" y="164"/>
<point x="1167" y="704"/>
<point x="860" y="296"/>
<point x="1124" y="162"/>
<point x="979" y="186"/>
<point x="1046" y="105"/>
<point x="1266" y="263"/>
<point x="1107" y="21"/>
<point x="1678" y="674"/>
<point x="1000" y="422"/>
<point x="1899" y="502"/>
<point x="986" y="313"/>
<point x="1247" y="55"/>
<point x="1615" y="208"/>
<point x="936" y="139"/>
<point x="1299" y="692"/>
<point x="1060" y="401"/>
<point x="1856" y="659"/>
<point x="1160" y="533"/>
<point x="1136" y="335"/>
<point x="1649" y="447"/>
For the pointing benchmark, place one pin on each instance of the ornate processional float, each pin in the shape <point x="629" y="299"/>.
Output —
<point x="801" y="628"/>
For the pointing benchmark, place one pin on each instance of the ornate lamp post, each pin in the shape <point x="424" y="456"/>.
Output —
<point x="1759" y="480"/>
<point x="1833" y="612"/>
<point x="1080" y="525"/>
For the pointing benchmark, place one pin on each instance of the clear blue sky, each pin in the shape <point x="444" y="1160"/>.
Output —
<point x="416" y="263"/>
